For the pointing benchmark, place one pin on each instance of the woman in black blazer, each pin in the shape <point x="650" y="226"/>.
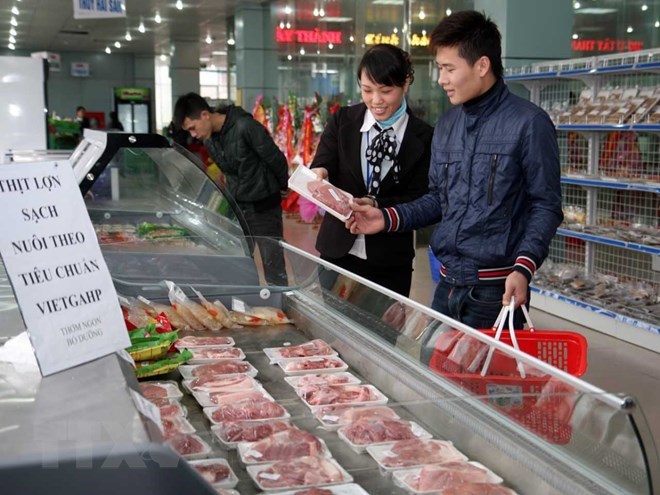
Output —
<point x="379" y="152"/>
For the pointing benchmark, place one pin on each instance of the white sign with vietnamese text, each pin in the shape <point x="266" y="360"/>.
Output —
<point x="96" y="9"/>
<point x="54" y="262"/>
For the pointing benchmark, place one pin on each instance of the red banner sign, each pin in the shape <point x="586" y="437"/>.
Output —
<point x="307" y="36"/>
<point x="606" y="45"/>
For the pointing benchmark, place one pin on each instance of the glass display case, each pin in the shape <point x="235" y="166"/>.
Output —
<point x="545" y="433"/>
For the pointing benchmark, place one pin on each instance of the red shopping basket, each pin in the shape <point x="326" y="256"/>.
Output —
<point x="520" y="398"/>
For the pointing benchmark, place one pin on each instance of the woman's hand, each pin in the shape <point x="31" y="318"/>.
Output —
<point x="321" y="173"/>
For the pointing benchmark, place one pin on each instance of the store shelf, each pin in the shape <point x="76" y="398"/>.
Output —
<point x="612" y="184"/>
<point x="609" y="241"/>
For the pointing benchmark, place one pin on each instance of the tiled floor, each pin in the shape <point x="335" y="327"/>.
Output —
<point x="613" y="365"/>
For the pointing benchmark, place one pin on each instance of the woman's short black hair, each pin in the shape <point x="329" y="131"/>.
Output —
<point x="387" y="65"/>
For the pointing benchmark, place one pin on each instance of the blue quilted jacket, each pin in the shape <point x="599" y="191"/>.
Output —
<point x="494" y="188"/>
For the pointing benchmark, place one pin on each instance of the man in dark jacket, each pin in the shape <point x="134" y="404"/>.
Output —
<point x="255" y="169"/>
<point x="494" y="182"/>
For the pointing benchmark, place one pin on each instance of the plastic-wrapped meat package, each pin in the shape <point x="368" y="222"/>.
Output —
<point x="160" y="391"/>
<point x="210" y="353"/>
<point x="259" y="315"/>
<point x="176" y="426"/>
<point x="189" y="445"/>
<point x="177" y="322"/>
<point x="315" y="347"/>
<point x="557" y="400"/>
<point x="437" y="477"/>
<point x="248" y="409"/>
<point x="325" y="379"/>
<point x="287" y="444"/>
<point x="172" y="410"/>
<point x="216" y="309"/>
<point x="468" y="353"/>
<point x="220" y="398"/>
<point x="314" y="364"/>
<point x="476" y="489"/>
<point x="153" y="391"/>
<point x="213" y="472"/>
<point x="304" y="471"/>
<point x="342" y="415"/>
<point x="314" y="491"/>
<point x="330" y="196"/>
<point x="418" y="451"/>
<point x="248" y="431"/>
<point x="222" y="384"/>
<point x="338" y="394"/>
<point x="210" y="341"/>
<point x="366" y="431"/>
<point x="192" y="312"/>
<point x="447" y="340"/>
<point x="222" y="368"/>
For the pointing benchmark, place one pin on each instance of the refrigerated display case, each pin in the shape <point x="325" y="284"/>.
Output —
<point x="133" y="107"/>
<point x="547" y="433"/>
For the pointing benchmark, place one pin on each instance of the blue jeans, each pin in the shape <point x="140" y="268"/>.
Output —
<point x="475" y="305"/>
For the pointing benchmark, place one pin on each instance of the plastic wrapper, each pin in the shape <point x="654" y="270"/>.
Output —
<point x="246" y="410"/>
<point x="192" y="341"/>
<point x="287" y="444"/>
<point x="191" y="310"/>
<point x="415" y="452"/>
<point x="468" y="353"/>
<point x="148" y="230"/>
<point x="322" y="379"/>
<point x="219" y="399"/>
<point x="430" y="479"/>
<point x="347" y="489"/>
<point x="160" y="390"/>
<point x="302" y="472"/>
<point x="219" y="368"/>
<point x="216" y="472"/>
<point x="320" y="192"/>
<point x="318" y="396"/>
<point x="298" y="366"/>
<point x="315" y="347"/>
<point x="216" y="309"/>
<point x="154" y="368"/>
<point x="144" y="348"/>
<point x="333" y="417"/>
<point x="210" y="354"/>
<point x="176" y="426"/>
<point x="362" y="433"/>
<point x="222" y="384"/>
<point x="155" y="309"/>
<point x="243" y="314"/>
<point x="231" y="433"/>
<point x="189" y="446"/>
<point x="172" y="409"/>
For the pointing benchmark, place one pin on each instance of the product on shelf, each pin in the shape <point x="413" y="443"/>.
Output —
<point x="283" y="445"/>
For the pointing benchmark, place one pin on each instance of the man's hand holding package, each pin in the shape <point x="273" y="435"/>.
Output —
<point x="365" y="219"/>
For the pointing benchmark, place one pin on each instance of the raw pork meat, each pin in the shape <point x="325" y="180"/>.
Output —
<point x="366" y="431"/>
<point x="315" y="491"/>
<point x="322" y="379"/>
<point x="243" y="431"/>
<point x="221" y="399"/>
<point x="175" y="426"/>
<point x="304" y="471"/>
<point x="341" y="415"/>
<point x="200" y="341"/>
<point x="153" y="391"/>
<point x="325" y="395"/>
<point x="439" y="476"/>
<point x="222" y="368"/>
<point x="222" y="384"/>
<point x="286" y="444"/>
<point x="332" y="197"/>
<point x="210" y="353"/>
<point x="477" y="489"/>
<point x="315" y="347"/>
<point x="417" y="451"/>
<point x="188" y="445"/>
<point x="248" y="409"/>
<point x="212" y="472"/>
<point x="468" y="354"/>
<point x="313" y="364"/>
<point x="171" y="411"/>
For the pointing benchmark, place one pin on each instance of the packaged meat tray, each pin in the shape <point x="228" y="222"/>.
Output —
<point x="341" y="378"/>
<point x="231" y="433"/>
<point x="173" y="409"/>
<point x="315" y="347"/>
<point x="334" y="417"/>
<point x="363" y="433"/>
<point x="203" y="355"/>
<point x="437" y="477"/>
<point x="304" y="472"/>
<point x="190" y="446"/>
<point x="161" y="390"/>
<point x="213" y="399"/>
<point x="220" y="383"/>
<point x="300" y="366"/>
<point x="287" y="444"/>
<point x="218" y="368"/>
<point x="356" y="395"/>
<point x="413" y="453"/>
<point x="246" y="410"/>
<point x="192" y="342"/>
<point x="176" y="426"/>
<point x="348" y="489"/>
<point x="217" y="472"/>
<point x="320" y="192"/>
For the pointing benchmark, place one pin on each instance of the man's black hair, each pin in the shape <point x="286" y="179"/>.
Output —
<point x="474" y="34"/>
<point x="189" y="106"/>
<point x="387" y="64"/>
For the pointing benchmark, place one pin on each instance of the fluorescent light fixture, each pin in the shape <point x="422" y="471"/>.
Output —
<point x="107" y="50"/>
<point x="157" y="19"/>
<point x="204" y="59"/>
<point x="128" y="36"/>
<point x="337" y="19"/>
<point x="13" y="21"/>
<point x="179" y="4"/>
<point x="11" y="46"/>
<point x="387" y="2"/>
<point x="596" y="11"/>
<point x="219" y="52"/>
<point x="12" y="31"/>
<point x="14" y="10"/>
<point x="208" y="39"/>
<point x="12" y="39"/>
<point x="141" y="27"/>
<point x="117" y="44"/>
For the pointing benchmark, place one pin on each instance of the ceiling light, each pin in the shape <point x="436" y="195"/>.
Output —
<point x="12" y="31"/>
<point x="331" y="46"/>
<point x="219" y="52"/>
<point x="422" y="14"/>
<point x="395" y="30"/>
<point x="107" y="50"/>
<point x="163" y="57"/>
<point x="11" y="46"/>
<point x="281" y="24"/>
<point x="448" y="12"/>
<point x="231" y="41"/>
<point x="287" y="10"/>
<point x="351" y="38"/>
<point x="157" y="19"/>
<point x="289" y="57"/>
<point x="321" y="12"/>
<point x="645" y="8"/>
<point x="208" y="39"/>
<point x="576" y="5"/>
<point x="630" y="29"/>
<point x="14" y="10"/>
<point x="288" y="25"/>
<point x="12" y="39"/>
<point x="13" y="21"/>
<point x="302" y="51"/>
<point x="128" y="36"/>
<point x="179" y="4"/>
<point x="318" y="52"/>
<point x="141" y="27"/>
<point x="117" y="44"/>
<point x="657" y="24"/>
<point x="423" y="32"/>
<point x="316" y="12"/>
<point x="575" y="36"/>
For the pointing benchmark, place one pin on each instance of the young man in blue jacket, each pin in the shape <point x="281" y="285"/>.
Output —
<point x="494" y="186"/>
